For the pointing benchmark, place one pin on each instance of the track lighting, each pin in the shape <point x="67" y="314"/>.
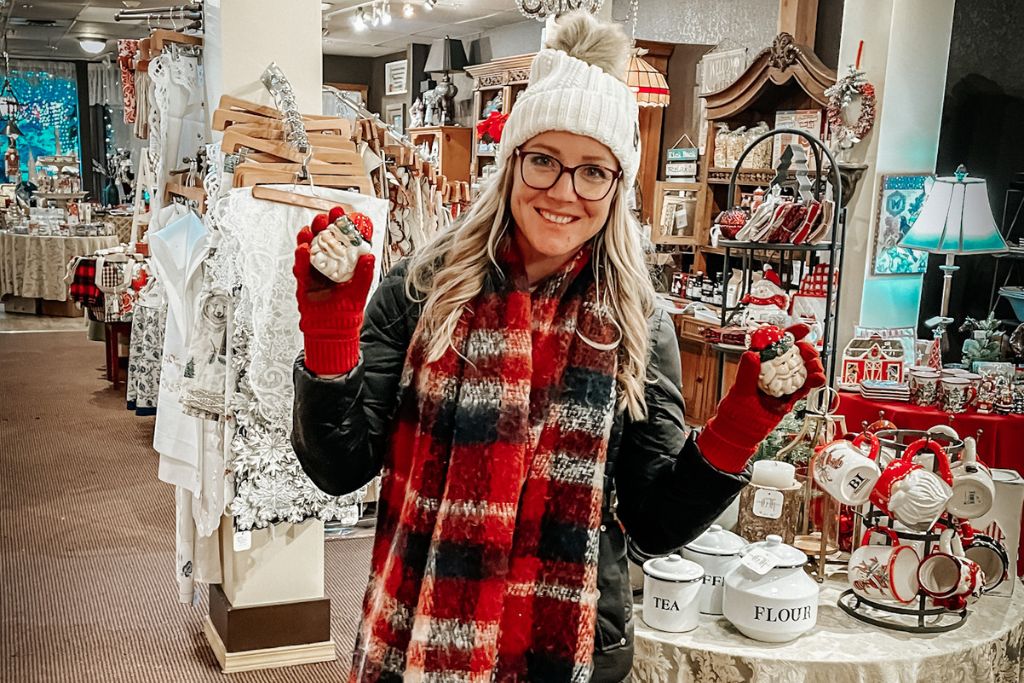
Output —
<point x="429" y="4"/>
<point x="359" y="20"/>
<point x="408" y="11"/>
<point x="385" y="13"/>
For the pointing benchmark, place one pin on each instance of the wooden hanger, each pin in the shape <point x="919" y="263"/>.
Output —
<point x="277" y="132"/>
<point x="162" y="36"/>
<point x="193" y="194"/>
<point x="224" y="118"/>
<point x="237" y="103"/>
<point x="264" y="176"/>
<point x="277" y="196"/>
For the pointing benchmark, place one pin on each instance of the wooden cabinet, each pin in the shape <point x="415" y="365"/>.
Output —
<point x="700" y="363"/>
<point x="453" y="148"/>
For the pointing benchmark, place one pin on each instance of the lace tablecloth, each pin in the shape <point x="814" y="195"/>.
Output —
<point x="33" y="266"/>
<point x="841" y="650"/>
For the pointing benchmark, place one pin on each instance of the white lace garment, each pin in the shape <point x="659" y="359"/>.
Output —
<point x="253" y="260"/>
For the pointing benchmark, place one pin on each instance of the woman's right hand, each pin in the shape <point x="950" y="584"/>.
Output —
<point x="331" y="314"/>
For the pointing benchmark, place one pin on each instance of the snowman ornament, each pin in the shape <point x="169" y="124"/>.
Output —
<point x="336" y="249"/>
<point x="782" y="367"/>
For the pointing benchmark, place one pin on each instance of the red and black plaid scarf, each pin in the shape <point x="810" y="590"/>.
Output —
<point x="484" y="565"/>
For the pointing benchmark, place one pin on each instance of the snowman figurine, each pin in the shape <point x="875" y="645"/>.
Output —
<point x="782" y="367"/>
<point x="767" y="302"/>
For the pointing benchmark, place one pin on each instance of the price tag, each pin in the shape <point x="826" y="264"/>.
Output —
<point x="759" y="561"/>
<point x="768" y="503"/>
<point x="242" y="541"/>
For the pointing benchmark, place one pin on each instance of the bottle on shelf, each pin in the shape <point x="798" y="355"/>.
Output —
<point x="707" y="290"/>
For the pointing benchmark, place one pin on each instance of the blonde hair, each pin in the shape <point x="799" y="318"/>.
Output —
<point x="449" y="273"/>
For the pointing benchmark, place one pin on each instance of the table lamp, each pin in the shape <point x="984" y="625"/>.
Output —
<point x="446" y="57"/>
<point x="956" y="219"/>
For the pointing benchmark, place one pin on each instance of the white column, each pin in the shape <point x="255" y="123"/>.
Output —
<point x="906" y="49"/>
<point x="242" y="37"/>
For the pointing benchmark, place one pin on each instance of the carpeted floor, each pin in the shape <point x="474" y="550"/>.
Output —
<point x="87" y="591"/>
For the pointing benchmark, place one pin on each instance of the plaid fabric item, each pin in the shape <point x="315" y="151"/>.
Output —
<point x="484" y="566"/>
<point x="83" y="287"/>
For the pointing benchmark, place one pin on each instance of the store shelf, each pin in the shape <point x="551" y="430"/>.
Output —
<point x="767" y="246"/>
<point x="60" y="195"/>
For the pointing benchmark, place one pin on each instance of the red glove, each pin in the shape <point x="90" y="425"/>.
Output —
<point x="331" y="314"/>
<point x="746" y="415"/>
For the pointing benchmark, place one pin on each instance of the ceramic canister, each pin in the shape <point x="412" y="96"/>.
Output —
<point x="671" y="592"/>
<point x="777" y="605"/>
<point x="718" y="552"/>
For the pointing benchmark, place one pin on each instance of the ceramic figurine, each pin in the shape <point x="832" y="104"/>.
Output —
<point x="782" y="367"/>
<point x="335" y="250"/>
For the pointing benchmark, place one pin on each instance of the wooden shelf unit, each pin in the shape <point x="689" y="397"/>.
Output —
<point x="453" y="152"/>
<point x="785" y="76"/>
<point x="507" y="76"/>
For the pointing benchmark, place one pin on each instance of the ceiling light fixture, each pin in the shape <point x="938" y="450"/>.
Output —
<point x="93" y="46"/>
<point x="385" y="13"/>
<point x="408" y="11"/>
<point x="375" y="16"/>
<point x="429" y="4"/>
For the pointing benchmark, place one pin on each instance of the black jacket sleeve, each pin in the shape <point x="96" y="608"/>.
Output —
<point x="667" y="492"/>
<point x="340" y="427"/>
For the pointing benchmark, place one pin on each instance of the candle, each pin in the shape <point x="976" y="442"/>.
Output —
<point x="773" y="474"/>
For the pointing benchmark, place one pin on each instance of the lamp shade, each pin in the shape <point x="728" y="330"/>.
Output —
<point x="956" y="219"/>
<point x="647" y="83"/>
<point x="446" y="56"/>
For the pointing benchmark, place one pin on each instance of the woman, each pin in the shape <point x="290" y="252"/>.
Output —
<point x="519" y="392"/>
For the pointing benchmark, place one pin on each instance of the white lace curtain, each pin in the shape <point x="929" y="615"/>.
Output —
<point x="105" y="84"/>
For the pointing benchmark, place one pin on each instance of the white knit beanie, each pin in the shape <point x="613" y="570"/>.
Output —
<point x="566" y="93"/>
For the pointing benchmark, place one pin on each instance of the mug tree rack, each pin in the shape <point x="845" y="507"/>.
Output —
<point x="916" y="617"/>
<point x="792" y="175"/>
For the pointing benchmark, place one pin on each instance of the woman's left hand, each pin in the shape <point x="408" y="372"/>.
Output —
<point x="746" y="415"/>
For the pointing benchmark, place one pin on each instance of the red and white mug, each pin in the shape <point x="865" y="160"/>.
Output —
<point x="948" y="576"/>
<point x="912" y="494"/>
<point x="884" y="572"/>
<point x="845" y="471"/>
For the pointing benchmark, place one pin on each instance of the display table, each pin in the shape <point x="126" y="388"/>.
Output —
<point x="999" y="445"/>
<point x="840" y="650"/>
<point x="33" y="266"/>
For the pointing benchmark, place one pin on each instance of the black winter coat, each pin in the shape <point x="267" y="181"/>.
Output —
<point x="657" y="484"/>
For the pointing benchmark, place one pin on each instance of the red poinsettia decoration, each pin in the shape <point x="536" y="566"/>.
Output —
<point x="490" y="129"/>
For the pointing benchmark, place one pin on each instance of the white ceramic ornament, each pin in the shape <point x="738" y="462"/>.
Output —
<point x="782" y="367"/>
<point x="336" y="249"/>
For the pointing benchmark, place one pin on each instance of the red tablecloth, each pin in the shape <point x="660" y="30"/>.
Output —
<point x="1002" y="438"/>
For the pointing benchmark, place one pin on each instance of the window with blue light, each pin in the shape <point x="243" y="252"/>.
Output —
<point x="48" y="113"/>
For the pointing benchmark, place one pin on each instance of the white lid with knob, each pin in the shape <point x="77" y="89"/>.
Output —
<point x="786" y="556"/>
<point x="673" y="568"/>
<point x="717" y="541"/>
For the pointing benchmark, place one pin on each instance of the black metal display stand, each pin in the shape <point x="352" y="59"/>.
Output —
<point x="916" y="617"/>
<point x="798" y="181"/>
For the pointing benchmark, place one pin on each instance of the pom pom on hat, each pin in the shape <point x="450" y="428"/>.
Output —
<point x="772" y="276"/>
<point x="770" y="342"/>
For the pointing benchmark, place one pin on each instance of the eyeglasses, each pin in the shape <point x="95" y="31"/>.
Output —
<point x="540" y="171"/>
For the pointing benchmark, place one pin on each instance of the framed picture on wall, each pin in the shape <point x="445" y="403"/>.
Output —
<point x="394" y="114"/>
<point x="900" y="198"/>
<point x="396" y="77"/>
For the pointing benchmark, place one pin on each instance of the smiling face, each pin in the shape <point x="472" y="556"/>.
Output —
<point x="552" y="224"/>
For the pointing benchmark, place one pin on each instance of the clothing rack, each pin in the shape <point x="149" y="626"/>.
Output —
<point x="410" y="150"/>
<point x="192" y="12"/>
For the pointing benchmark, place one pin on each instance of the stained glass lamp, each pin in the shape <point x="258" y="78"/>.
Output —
<point x="646" y="82"/>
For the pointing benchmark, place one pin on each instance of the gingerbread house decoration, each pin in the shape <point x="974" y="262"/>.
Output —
<point x="872" y="358"/>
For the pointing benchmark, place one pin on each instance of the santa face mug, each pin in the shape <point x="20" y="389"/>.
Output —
<point x="884" y="572"/>
<point x="911" y="494"/>
<point x="845" y="471"/>
<point x="782" y="367"/>
<point x="948" y="576"/>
